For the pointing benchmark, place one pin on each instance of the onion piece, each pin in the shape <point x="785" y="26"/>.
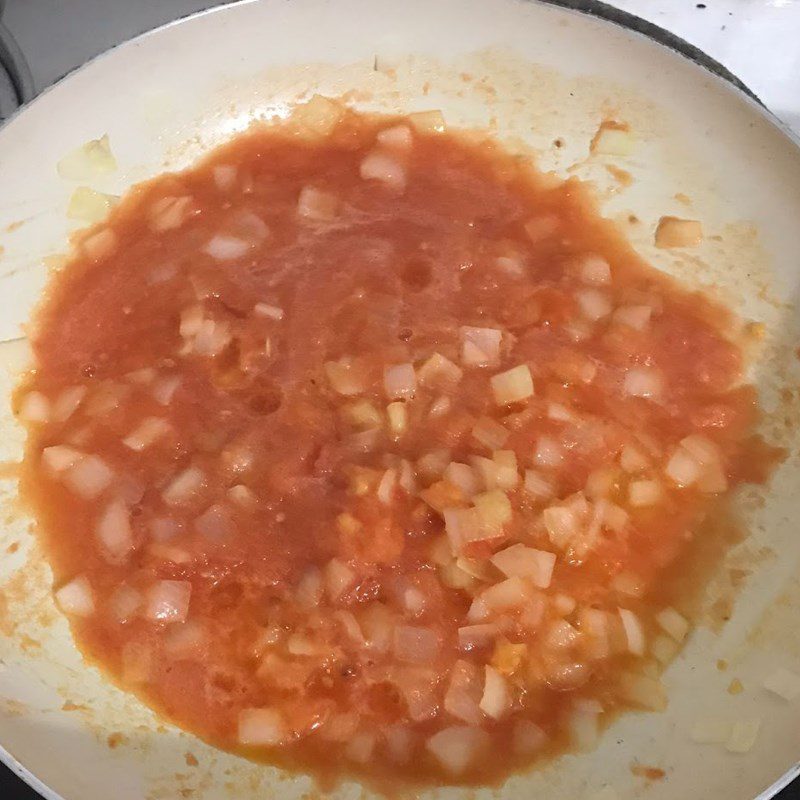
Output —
<point x="489" y="433"/>
<point x="226" y="248"/>
<point x="427" y="121"/>
<point x="549" y="452"/>
<point x="215" y="523"/>
<point x="683" y="468"/>
<point x="594" y="304"/>
<point x="496" y="699"/>
<point x="339" y="578"/>
<point x="400" y="381"/>
<point x="494" y="509"/>
<point x="59" y="458"/>
<point x="345" y="377"/>
<point x="471" y="637"/>
<point x="384" y="167"/>
<point x="664" y="649"/>
<point x="784" y="684"/>
<point x="673" y="623"/>
<point x="386" y="486"/>
<point x="415" y="644"/>
<point x="125" y="603"/>
<point x="100" y="245"/>
<point x="562" y="525"/>
<point x="542" y="227"/>
<point x="457" y="747"/>
<point x="169" y="213"/>
<point x="538" y="485"/>
<point x="583" y="726"/>
<point x="595" y="270"/>
<point x="464" y="478"/>
<point x="634" y="632"/>
<point x="89" y="477"/>
<point x="88" y="161"/>
<point x="167" y="601"/>
<point x="360" y="747"/>
<point x="527" y="737"/>
<point x="512" y="386"/>
<point x="137" y="663"/>
<point x="212" y="338"/>
<point x="526" y="562"/>
<point x="224" y="177"/>
<point x="317" y="204"/>
<point x="114" y="532"/>
<point x="508" y="594"/>
<point x="398" y="137"/>
<point x="76" y="597"/>
<point x="398" y="418"/>
<point x="440" y="373"/>
<point x="643" y="382"/>
<point x="632" y="459"/>
<point x="644" y="493"/>
<point x="268" y="311"/>
<point x="68" y="402"/>
<point x="184" y="487"/>
<point x="636" y="317"/>
<point x="743" y="736"/>
<point x="35" y="407"/>
<point x="642" y="691"/>
<point x="506" y="475"/>
<point x="480" y="347"/>
<point x="464" y="693"/>
<point x="676" y="232"/>
<point x="149" y="431"/>
<point x="164" y="528"/>
<point x="399" y="743"/>
<point x="261" y="727"/>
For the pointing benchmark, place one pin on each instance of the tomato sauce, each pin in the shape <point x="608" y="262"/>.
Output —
<point x="361" y="448"/>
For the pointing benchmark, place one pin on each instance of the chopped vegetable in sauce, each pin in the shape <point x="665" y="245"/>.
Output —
<point x="361" y="448"/>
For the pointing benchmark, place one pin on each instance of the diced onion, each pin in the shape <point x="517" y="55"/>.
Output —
<point x="137" y="663"/>
<point x="561" y="635"/>
<point x="526" y="562"/>
<point x="664" y="649"/>
<point x="226" y="248"/>
<point x="676" y="232"/>
<point x="490" y="433"/>
<point x="559" y="412"/>
<point x="542" y="227"/>
<point x="636" y="317"/>
<point x="59" y="458"/>
<point x="268" y="311"/>
<point x="643" y="691"/>
<point x="345" y="377"/>
<point x="163" y="528"/>
<point x="644" y="493"/>
<point x="583" y="727"/>
<point x="184" y="487"/>
<point x="427" y="121"/>
<point x="673" y="623"/>
<point x="67" y="402"/>
<point x="743" y="736"/>
<point x="510" y="593"/>
<point x="506" y="475"/>
<point x="632" y="459"/>
<point x="511" y="265"/>
<point x="35" y="407"/>
<point x="464" y="693"/>
<point x="432" y="465"/>
<point x="398" y="137"/>
<point x="89" y="477"/>
<point x="169" y="213"/>
<point x="683" y="468"/>
<point x="634" y="632"/>
<point x="100" y="245"/>
<point x="215" y="523"/>
<point x="407" y="478"/>
<point x="212" y="338"/>
<point x="562" y="525"/>
<point x="385" y="490"/>
<point x="88" y="205"/>
<point x="167" y="601"/>
<point x="474" y="636"/>
<point x="612" y="139"/>
<point x="463" y="477"/>
<point x="539" y="486"/>
<point x="76" y="597"/>
<point x="440" y="373"/>
<point x="338" y="578"/>
<point x="496" y="700"/>
<point x="628" y="583"/>
<point x="224" y="177"/>
<point x="784" y="684"/>
<point x="595" y="270"/>
<point x="88" y="161"/>
<point x="456" y="748"/>
<point x="186" y="640"/>
<point x="512" y="386"/>
<point x="494" y="508"/>
<point x="359" y="748"/>
<point x="384" y="167"/>
<point x="125" y="603"/>
<point x="643" y="382"/>
<point x="549" y="452"/>
<point x="527" y="737"/>
<point x="399" y="743"/>
<point x="400" y="381"/>
<point x="261" y="727"/>
<point x="149" y="431"/>
<point x="480" y="347"/>
<point x="317" y="204"/>
<point x="594" y="304"/>
<point x="416" y="644"/>
<point x="114" y="532"/>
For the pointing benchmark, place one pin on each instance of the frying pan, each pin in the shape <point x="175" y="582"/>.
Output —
<point x="542" y="78"/>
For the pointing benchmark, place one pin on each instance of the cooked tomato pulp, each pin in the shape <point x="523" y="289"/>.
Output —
<point x="362" y="447"/>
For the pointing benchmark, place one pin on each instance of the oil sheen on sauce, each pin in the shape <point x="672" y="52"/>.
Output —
<point x="365" y="449"/>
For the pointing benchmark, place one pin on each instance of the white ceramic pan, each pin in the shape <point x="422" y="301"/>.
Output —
<point x="533" y="73"/>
